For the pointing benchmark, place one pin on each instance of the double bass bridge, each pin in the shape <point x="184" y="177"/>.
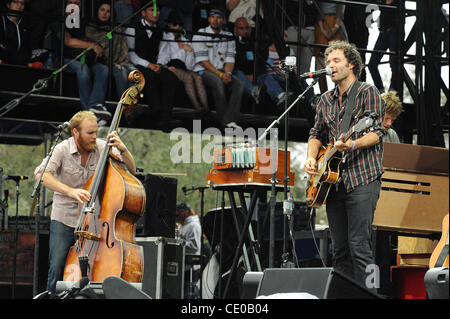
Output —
<point x="87" y="235"/>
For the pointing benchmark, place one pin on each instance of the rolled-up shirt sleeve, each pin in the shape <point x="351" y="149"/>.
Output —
<point x="200" y="49"/>
<point x="231" y="51"/>
<point x="54" y="165"/>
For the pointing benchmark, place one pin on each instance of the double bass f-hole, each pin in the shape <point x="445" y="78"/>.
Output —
<point x="108" y="244"/>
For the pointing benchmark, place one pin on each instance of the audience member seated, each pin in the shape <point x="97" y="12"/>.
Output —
<point x="244" y="65"/>
<point x="185" y="7"/>
<point x="329" y="26"/>
<point x="15" y="45"/>
<point x="393" y="110"/>
<point x="387" y="39"/>
<point x="306" y="37"/>
<point x="143" y="44"/>
<point x="273" y="70"/>
<point x="214" y="58"/>
<point x="177" y="54"/>
<point x="92" y="77"/>
<point x="241" y="8"/>
<point x="96" y="31"/>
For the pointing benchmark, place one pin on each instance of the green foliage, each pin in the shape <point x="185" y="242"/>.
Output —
<point x="152" y="153"/>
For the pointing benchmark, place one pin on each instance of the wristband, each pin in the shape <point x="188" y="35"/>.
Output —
<point x="123" y="151"/>
<point x="353" y="145"/>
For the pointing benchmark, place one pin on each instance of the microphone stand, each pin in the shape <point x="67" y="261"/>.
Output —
<point x="273" y="180"/>
<point x="35" y="207"/>
<point x="16" y="239"/>
<point x="37" y="87"/>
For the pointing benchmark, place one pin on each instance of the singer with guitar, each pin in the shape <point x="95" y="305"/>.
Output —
<point x="351" y="201"/>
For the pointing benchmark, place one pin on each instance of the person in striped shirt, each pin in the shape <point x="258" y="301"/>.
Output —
<point x="215" y="57"/>
<point x="352" y="201"/>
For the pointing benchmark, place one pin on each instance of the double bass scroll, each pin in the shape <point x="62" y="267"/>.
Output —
<point x="105" y="232"/>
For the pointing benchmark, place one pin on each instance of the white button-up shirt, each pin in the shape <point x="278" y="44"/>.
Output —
<point x="217" y="51"/>
<point x="169" y="50"/>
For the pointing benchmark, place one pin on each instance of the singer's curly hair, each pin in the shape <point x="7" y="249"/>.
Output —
<point x="350" y="52"/>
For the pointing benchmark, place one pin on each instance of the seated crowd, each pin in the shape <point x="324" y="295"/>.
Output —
<point x="165" y="42"/>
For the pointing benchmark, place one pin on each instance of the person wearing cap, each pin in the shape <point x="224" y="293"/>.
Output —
<point x="214" y="57"/>
<point x="191" y="232"/>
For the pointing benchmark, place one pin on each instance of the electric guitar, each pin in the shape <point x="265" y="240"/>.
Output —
<point x="329" y="160"/>
<point x="439" y="257"/>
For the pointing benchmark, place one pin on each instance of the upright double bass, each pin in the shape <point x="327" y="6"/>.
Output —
<point x="105" y="231"/>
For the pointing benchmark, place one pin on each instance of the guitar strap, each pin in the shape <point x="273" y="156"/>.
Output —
<point x="351" y="98"/>
<point x="442" y="256"/>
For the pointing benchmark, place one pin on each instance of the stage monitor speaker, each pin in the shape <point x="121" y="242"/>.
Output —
<point x="323" y="283"/>
<point x="160" y="212"/>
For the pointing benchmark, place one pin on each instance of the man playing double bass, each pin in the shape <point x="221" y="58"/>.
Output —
<point x="72" y="163"/>
<point x="352" y="200"/>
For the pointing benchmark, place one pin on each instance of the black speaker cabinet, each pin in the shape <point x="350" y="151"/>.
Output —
<point x="160" y="212"/>
<point x="163" y="267"/>
<point x="24" y="263"/>
<point x="324" y="283"/>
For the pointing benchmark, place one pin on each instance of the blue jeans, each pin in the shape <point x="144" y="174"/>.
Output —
<point x="350" y="217"/>
<point x="120" y="75"/>
<point x="271" y="81"/>
<point x="274" y="84"/>
<point x="248" y="86"/>
<point x="61" y="238"/>
<point x="92" y="82"/>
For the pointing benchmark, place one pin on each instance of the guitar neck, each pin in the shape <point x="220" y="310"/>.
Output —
<point x="334" y="150"/>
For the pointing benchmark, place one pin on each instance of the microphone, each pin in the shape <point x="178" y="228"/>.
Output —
<point x="63" y="126"/>
<point x="316" y="74"/>
<point x="14" y="178"/>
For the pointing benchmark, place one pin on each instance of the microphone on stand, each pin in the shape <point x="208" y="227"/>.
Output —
<point x="316" y="74"/>
<point x="185" y="189"/>
<point x="14" y="178"/>
<point x="63" y="126"/>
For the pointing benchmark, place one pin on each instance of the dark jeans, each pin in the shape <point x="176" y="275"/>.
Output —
<point x="350" y="217"/>
<point x="61" y="238"/>
<point x="228" y="109"/>
<point x="386" y="40"/>
<point x="159" y="92"/>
